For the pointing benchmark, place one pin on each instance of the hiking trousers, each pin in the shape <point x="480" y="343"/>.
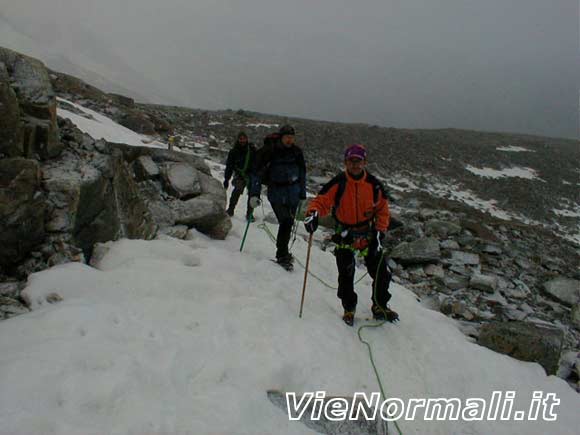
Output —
<point x="345" y="262"/>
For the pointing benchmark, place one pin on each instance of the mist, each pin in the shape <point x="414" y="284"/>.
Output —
<point x="510" y="66"/>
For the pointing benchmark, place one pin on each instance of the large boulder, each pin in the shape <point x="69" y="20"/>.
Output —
<point x="11" y="132"/>
<point x="137" y="122"/>
<point x="486" y="283"/>
<point x="186" y="193"/>
<point x="95" y="201"/>
<point x="30" y="82"/>
<point x="417" y="252"/>
<point x="525" y="341"/>
<point x="564" y="290"/>
<point x="22" y="209"/>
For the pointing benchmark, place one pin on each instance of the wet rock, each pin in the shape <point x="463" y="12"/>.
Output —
<point x="465" y="258"/>
<point x="145" y="168"/>
<point x="564" y="290"/>
<point x="525" y="341"/>
<point x="181" y="180"/>
<point x="486" y="283"/>
<point x="418" y="252"/>
<point x="441" y="229"/>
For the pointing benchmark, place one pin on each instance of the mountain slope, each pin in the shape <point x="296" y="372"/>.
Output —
<point x="187" y="336"/>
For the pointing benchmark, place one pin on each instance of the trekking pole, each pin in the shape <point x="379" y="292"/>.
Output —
<point x="305" y="273"/>
<point x="246" y="231"/>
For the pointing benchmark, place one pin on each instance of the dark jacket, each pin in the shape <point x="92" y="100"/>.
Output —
<point x="240" y="160"/>
<point x="283" y="170"/>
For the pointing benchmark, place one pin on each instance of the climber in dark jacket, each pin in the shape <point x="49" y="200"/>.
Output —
<point x="239" y="164"/>
<point x="280" y="165"/>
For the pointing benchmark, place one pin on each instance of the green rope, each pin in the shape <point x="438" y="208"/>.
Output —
<point x="272" y="237"/>
<point x="368" y="345"/>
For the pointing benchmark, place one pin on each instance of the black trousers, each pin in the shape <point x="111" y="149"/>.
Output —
<point x="285" y="214"/>
<point x="239" y="184"/>
<point x="380" y="274"/>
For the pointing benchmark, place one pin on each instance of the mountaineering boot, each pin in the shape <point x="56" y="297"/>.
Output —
<point x="384" y="314"/>
<point x="230" y="212"/>
<point x="286" y="261"/>
<point x="348" y="317"/>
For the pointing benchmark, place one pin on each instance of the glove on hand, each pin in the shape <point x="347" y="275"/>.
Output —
<point x="311" y="222"/>
<point x="255" y="201"/>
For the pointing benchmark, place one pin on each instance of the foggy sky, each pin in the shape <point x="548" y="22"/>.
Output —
<point x="495" y="65"/>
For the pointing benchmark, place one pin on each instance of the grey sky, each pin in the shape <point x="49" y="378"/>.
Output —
<point x="499" y="65"/>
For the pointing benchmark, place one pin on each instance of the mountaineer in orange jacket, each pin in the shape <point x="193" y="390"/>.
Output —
<point x="359" y="205"/>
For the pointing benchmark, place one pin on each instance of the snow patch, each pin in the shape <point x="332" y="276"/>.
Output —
<point x="100" y="127"/>
<point x="262" y="125"/>
<point x="519" y="172"/>
<point x="148" y="344"/>
<point x="514" y="149"/>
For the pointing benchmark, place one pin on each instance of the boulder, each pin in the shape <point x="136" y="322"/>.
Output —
<point x="177" y="231"/>
<point x="145" y="168"/>
<point x="202" y="212"/>
<point x="525" y="341"/>
<point x="575" y="316"/>
<point x="11" y="132"/>
<point x="22" y="209"/>
<point x="181" y="180"/>
<point x="464" y="258"/>
<point x="417" y="252"/>
<point x="486" y="283"/>
<point x="122" y="100"/>
<point x="137" y="122"/>
<point x="95" y="201"/>
<point x="434" y="270"/>
<point x="10" y="307"/>
<point x="9" y="288"/>
<point x="30" y="82"/>
<point x="564" y="290"/>
<point x="441" y="229"/>
<point x="449" y="244"/>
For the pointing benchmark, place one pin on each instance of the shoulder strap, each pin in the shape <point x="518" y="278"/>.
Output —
<point x="378" y="187"/>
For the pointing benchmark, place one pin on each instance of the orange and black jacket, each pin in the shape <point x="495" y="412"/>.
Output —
<point x="355" y="204"/>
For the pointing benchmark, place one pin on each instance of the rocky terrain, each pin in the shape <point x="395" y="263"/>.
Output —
<point x="497" y="254"/>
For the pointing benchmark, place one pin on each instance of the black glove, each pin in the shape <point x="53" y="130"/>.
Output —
<point x="311" y="222"/>
<point x="226" y="184"/>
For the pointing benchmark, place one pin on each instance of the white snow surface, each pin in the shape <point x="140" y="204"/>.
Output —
<point x="262" y="124"/>
<point x="514" y="149"/>
<point x="171" y="336"/>
<point x="101" y="127"/>
<point x="527" y="173"/>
